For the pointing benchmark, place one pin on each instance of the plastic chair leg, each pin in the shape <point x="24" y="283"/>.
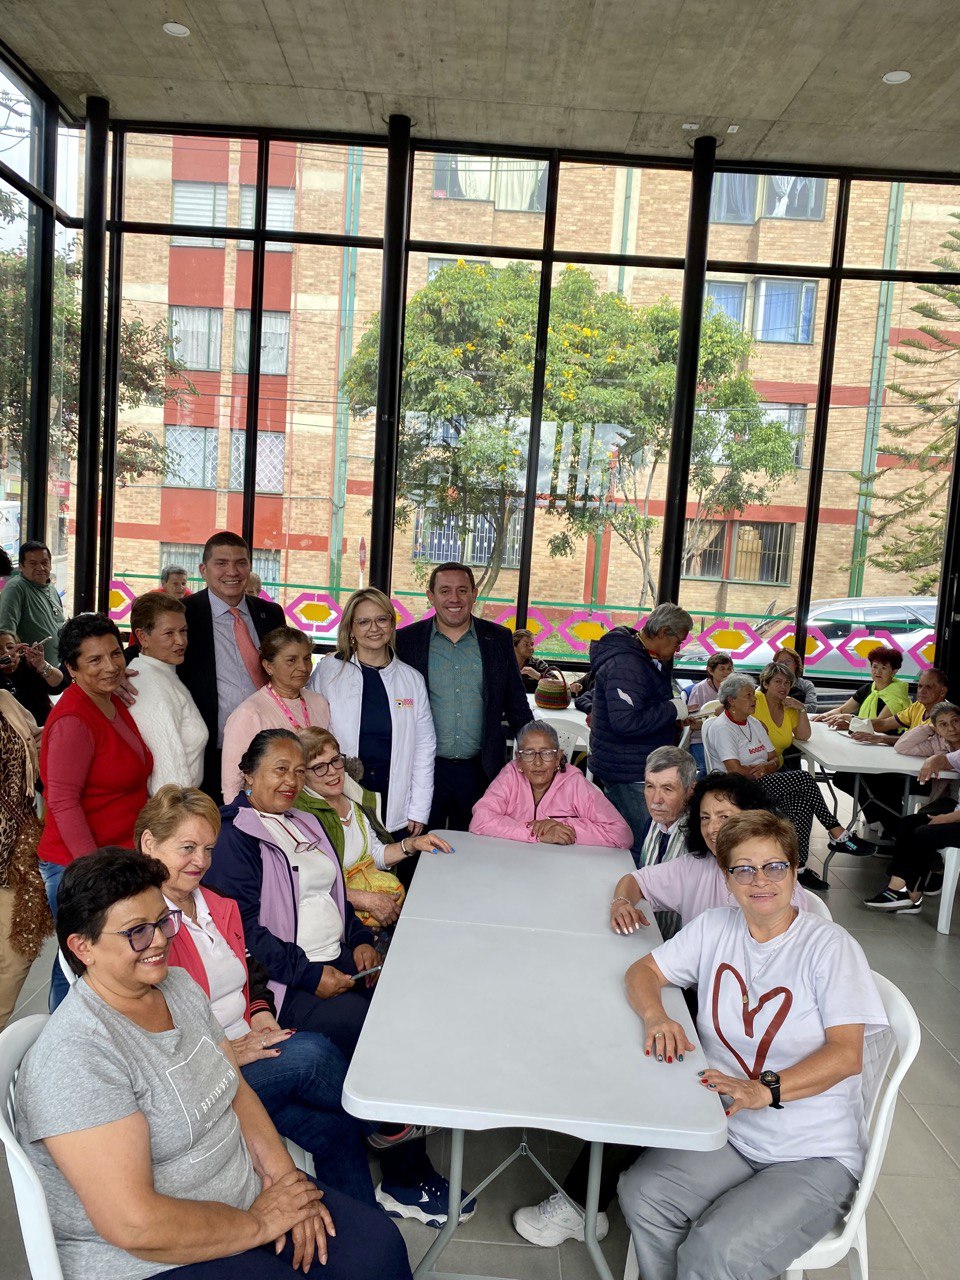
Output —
<point x="951" y="875"/>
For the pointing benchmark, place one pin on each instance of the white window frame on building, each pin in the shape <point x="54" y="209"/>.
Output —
<point x="271" y="461"/>
<point x="274" y="342"/>
<point x="510" y="183"/>
<point x="765" y="558"/>
<point x="203" y="352"/>
<point x="199" y="204"/>
<point x="801" y="329"/>
<point x="281" y="214"/>
<point x="434" y="543"/>
<point x="190" y="457"/>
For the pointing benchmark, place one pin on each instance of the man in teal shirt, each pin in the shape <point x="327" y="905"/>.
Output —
<point x="30" y="605"/>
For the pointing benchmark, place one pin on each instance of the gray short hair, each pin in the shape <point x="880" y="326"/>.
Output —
<point x="942" y="708"/>
<point x="537" y="726"/>
<point x="168" y="569"/>
<point x="665" y="758"/>
<point x="733" y="685"/>
<point x="670" y="618"/>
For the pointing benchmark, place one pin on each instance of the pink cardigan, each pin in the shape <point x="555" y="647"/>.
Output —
<point x="507" y="809"/>
<point x="257" y="712"/>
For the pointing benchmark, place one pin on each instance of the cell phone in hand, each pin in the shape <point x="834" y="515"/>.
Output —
<point x="367" y="972"/>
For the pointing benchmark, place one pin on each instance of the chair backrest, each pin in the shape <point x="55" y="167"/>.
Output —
<point x="901" y="1041"/>
<point x="816" y="906"/>
<point x="35" y="1226"/>
<point x="571" y="732"/>
<point x="710" y="755"/>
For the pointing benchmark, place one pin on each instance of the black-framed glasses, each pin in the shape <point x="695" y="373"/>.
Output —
<point x="141" y="935"/>
<point x="546" y="754"/>
<point x="323" y="768"/>
<point x="746" y="874"/>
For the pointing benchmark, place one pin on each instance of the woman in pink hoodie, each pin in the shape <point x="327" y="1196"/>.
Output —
<point x="537" y="797"/>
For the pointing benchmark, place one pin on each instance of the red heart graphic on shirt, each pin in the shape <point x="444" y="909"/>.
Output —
<point x="749" y="1017"/>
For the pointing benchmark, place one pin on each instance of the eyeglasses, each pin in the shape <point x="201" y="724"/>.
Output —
<point x="546" y="754"/>
<point x="746" y="874"/>
<point x="382" y="620"/>
<point x="141" y="935"/>
<point x="324" y="767"/>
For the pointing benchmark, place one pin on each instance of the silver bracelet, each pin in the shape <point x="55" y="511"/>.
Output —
<point x="621" y="898"/>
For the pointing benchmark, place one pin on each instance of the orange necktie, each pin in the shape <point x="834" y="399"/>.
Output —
<point x="248" y="650"/>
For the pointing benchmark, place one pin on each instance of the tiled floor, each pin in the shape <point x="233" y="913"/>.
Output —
<point x="914" y="1223"/>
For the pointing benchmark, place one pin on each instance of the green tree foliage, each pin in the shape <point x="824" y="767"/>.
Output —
<point x="909" y="522"/>
<point x="148" y="374"/>
<point x="607" y="410"/>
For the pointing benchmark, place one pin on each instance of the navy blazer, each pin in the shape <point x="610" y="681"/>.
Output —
<point x="503" y="695"/>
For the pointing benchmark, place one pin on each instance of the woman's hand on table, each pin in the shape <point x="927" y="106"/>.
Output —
<point x="333" y="982"/>
<point x="552" y="831"/>
<point x="626" y="918"/>
<point x="864" y="735"/>
<point x="665" y="1039"/>
<point x="367" y="957"/>
<point x="260" y="1042"/>
<point x="430" y="843"/>
<point x="933" y="766"/>
<point x="293" y="1203"/>
<point x="745" y="1095"/>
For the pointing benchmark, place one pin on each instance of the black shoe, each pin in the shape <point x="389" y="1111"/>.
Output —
<point x="933" y="885"/>
<point x="810" y="880"/>
<point x="854" y="845"/>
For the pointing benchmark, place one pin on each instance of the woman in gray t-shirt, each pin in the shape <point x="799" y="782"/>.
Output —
<point x="154" y="1154"/>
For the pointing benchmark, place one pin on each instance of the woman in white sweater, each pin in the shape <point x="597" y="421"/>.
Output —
<point x="164" y="711"/>
<point x="380" y="712"/>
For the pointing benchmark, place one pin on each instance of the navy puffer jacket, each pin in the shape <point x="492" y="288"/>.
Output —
<point x="632" y="712"/>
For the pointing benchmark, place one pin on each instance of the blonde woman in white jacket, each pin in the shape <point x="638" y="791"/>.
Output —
<point x="380" y="712"/>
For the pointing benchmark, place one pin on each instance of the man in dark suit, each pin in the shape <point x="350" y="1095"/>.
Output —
<point x="221" y="666"/>
<point x="474" y="684"/>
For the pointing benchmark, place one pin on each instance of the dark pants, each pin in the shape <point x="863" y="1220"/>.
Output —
<point x="877" y="787"/>
<point x="918" y="844"/>
<point x="301" y="1093"/>
<point x="52" y="873"/>
<point x="367" y="1246"/>
<point x="341" y="1019"/>
<point x="457" y="786"/>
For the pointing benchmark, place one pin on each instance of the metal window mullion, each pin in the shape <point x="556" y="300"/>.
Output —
<point x="253" y="355"/>
<point x="41" y="338"/>
<point x="111" y="380"/>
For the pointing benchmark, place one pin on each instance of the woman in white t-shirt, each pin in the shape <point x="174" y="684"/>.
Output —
<point x="797" y="1134"/>
<point x="739" y="743"/>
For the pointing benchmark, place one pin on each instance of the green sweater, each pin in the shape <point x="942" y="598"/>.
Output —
<point x="34" y="613"/>
<point x="329" y="819"/>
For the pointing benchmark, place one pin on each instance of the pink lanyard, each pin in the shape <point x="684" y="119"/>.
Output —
<point x="286" y="710"/>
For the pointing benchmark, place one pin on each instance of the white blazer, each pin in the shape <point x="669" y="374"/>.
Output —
<point x="414" y="748"/>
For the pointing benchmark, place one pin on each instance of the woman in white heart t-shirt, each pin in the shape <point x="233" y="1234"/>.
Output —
<point x="786" y="999"/>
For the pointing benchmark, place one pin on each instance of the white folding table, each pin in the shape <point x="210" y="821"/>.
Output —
<point x="508" y="1010"/>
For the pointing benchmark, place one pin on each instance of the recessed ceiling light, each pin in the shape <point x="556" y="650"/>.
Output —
<point x="689" y="126"/>
<point x="176" y="29"/>
<point x="733" y="128"/>
<point x="896" y="77"/>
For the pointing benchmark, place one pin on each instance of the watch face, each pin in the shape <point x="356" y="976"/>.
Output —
<point x="769" y="1077"/>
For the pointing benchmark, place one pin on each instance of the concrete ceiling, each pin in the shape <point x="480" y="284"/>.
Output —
<point x="802" y="78"/>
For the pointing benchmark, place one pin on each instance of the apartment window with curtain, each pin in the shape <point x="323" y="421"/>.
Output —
<point x="794" y="416"/>
<point x="281" y="208"/>
<point x="271" y="456"/>
<point x="195" y="336"/>
<point x="798" y="198"/>
<point x="734" y="198"/>
<point x="785" y="310"/>
<point x="274" y="342"/>
<point x="202" y="204"/>
<point x="191" y="457"/>
<point x="730" y="297"/>
<point x="511" y="183"/>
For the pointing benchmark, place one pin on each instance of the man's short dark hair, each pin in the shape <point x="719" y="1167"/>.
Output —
<point x="89" y="888"/>
<point x="85" y="626"/>
<point x="451" y="566"/>
<point x="27" y="547"/>
<point x="224" y="539"/>
<point x="169" y="569"/>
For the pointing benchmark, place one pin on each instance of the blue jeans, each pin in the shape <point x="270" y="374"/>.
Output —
<point x="367" y="1246"/>
<point x="696" y="750"/>
<point x="628" y="799"/>
<point x="301" y="1092"/>
<point x="52" y="873"/>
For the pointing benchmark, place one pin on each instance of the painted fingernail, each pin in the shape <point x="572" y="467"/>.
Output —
<point x="711" y="1086"/>
<point x="701" y="1073"/>
<point x="647" y="1052"/>
<point x="726" y="1113"/>
<point x="659" y="1057"/>
<point x="679" y="1057"/>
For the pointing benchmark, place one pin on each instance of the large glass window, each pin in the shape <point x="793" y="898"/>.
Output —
<point x="17" y="268"/>
<point x="274" y="342"/>
<point x="607" y="208"/>
<point x="485" y="199"/>
<point x="785" y="310"/>
<point x="772" y="218"/>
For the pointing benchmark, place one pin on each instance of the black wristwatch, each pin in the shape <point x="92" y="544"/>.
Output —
<point x="771" y="1079"/>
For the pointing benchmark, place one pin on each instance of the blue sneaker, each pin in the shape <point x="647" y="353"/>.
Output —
<point x="425" y="1201"/>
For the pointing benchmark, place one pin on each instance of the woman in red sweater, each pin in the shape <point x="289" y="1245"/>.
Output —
<point x="93" y="762"/>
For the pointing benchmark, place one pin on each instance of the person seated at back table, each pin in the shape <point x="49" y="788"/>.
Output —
<point x="921" y="836"/>
<point x="889" y="730"/>
<point x="784" y="1177"/>
<point x="740" y="744"/>
<point x="801" y="688"/>
<point x="874" y="697"/>
<point x="536" y="797"/>
<point x="719" y="666"/>
<point x="685" y="886"/>
<point x="784" y="718"/>
<point x="154" y="1154"/>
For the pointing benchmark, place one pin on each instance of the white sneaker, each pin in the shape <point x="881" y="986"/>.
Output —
<point x="554" y="1220"/>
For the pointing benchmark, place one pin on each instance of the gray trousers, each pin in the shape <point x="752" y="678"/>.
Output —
<point x="715" y="1215"/>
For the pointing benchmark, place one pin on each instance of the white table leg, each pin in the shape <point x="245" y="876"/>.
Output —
<point x="590" y="1213"/>
<point x="453" y="1206"/>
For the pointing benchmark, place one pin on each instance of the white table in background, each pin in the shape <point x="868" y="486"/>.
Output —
<point x="506" y="1021"/>
<point x="571" y="713"/>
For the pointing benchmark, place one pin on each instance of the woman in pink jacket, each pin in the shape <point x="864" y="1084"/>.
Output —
<point x="538" y="798"/>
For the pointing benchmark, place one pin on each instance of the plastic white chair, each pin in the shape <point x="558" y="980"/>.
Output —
<point x="35" y="1225"/>
<point x="951" y="875"/>
<point x="572" y="734"/>
<point x="817" y="907"/>
<point x="709" y="752"/>
<point x="849" y="1239"/>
